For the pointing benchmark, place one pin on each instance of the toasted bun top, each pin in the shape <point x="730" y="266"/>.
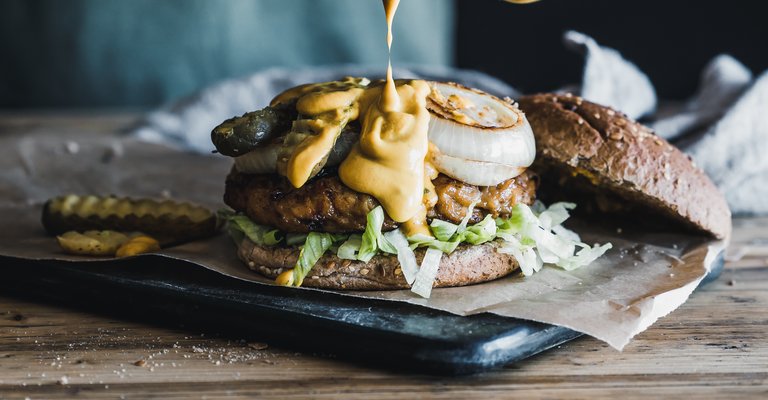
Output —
<point x="465" y="266"/>
<point x="579" y="139"/>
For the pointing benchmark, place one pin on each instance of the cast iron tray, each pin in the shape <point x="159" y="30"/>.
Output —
<point x="376" y="333"/>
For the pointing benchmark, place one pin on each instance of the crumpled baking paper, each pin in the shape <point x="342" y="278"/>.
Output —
<point x="645" y="276"/>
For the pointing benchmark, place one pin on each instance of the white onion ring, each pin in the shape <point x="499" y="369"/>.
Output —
<point x="261" y="160"/>
<point x="479" y="173"/>
<point x="478" y="133"/>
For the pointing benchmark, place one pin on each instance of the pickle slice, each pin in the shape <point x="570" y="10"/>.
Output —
<point x="137" y="245"/>
<point x="92" y="243"/>
<point x="239" y="135"/>
<point x="169" y="222"/>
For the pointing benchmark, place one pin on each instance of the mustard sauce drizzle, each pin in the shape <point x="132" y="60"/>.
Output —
<point x="388" y="161"/>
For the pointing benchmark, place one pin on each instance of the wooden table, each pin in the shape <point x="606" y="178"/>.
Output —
<point x="714" y="346"/>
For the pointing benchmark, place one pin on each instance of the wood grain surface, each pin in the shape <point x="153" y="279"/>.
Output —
<point x="715" y="346"/>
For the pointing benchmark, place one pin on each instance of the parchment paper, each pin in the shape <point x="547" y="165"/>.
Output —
<point x="646" y="275"/>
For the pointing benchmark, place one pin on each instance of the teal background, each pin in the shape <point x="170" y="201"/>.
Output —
<point x="83" y="53"/>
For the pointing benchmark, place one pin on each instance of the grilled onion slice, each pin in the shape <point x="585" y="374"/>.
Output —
<point x="478" y="173"/>
<point x="481" y="139"/>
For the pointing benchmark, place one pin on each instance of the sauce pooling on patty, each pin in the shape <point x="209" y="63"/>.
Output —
<point x="388" y="161"/>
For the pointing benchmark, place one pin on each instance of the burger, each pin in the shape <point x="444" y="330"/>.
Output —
<point x="362" y="185"/>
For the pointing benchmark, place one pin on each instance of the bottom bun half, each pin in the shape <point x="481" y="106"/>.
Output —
<point x="467" y="265"/>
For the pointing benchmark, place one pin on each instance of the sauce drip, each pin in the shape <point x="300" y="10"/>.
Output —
<point x="388" y="161"/>
<point x="325" y="109"/>
<point x="390" y="101"/>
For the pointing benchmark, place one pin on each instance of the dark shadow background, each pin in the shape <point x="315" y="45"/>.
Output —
<point x="670" y="40"/>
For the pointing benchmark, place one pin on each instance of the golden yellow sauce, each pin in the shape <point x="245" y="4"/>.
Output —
<point x="390" y="101"/>
<point x="285" y="278"/>
<point x="324" y="87"/>
<point x="388" y="161"/>
<point x="325" y="109"/>
<point x="587" y="174"/>
<point x="430" y="173"/>
<point x="418" y="223"/>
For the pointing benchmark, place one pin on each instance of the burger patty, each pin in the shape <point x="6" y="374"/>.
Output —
<point x="325" y="204"/>
<point x="454" y="197"/>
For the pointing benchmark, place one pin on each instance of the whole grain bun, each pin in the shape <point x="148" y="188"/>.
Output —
<point x="465" y="266"/>
<point x="619" y="164"/>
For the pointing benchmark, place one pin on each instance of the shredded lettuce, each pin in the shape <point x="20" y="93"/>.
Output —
<point x="295" y="239"/>
<point x="446" y="232"/>
<point x="259" y="234"/>
<point x="481" y="232"/>
<point x="425" y="278"/>
<point x="404" y="254"/>
<point x="314" y="247"/>
<point x="446" y="246"/>
<point x="372" y="239"/>
<point x="585" y="256"/>
<point x="553" y="216"/>
<point x="533" y="235"/>
<point x="443" y="230"/>
<point x="525" y="255"/>
<point x="537" y="239"/>
<point x="448" y="236"/>
<point x="350" y="248"/>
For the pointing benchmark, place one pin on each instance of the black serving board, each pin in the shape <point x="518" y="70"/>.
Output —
<point x="376" y="333"/>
